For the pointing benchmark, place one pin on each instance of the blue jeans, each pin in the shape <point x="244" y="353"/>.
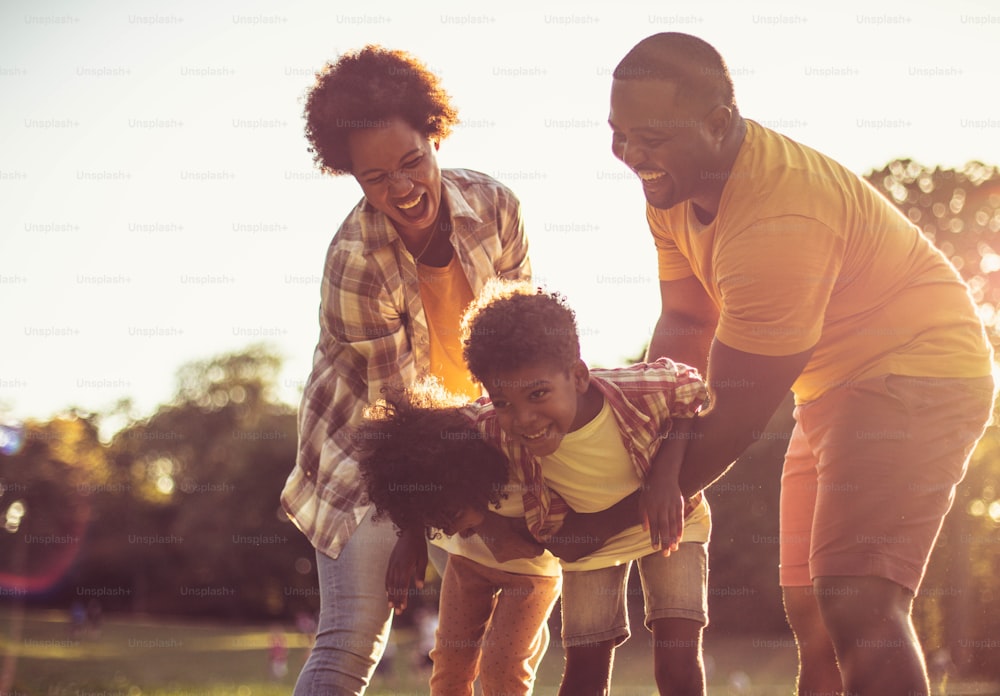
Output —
<point x="354" y="617"/>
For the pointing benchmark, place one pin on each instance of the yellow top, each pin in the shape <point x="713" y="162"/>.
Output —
<point x="445" y="293"/>
<point x="592" y="471"/>
<point x="803" y="253"/>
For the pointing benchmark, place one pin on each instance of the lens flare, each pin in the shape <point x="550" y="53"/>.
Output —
<point x="11" y="438"/>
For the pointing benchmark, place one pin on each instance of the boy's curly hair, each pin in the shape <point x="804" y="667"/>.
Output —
<point x="512" y="324"/>
<point x="421" y="464"/>
<point x="365" y="89"/>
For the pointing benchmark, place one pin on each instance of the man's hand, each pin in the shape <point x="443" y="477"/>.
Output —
<point x="661" y="507"/>
<point x="507" y="538"/>
<point x="408" y="561"/>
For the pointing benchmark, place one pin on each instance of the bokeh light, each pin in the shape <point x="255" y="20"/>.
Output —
<point x="15" y="513"/>
<point x="11" y="438"/>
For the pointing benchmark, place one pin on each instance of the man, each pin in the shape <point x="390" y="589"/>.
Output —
<point x="782" y="270"/>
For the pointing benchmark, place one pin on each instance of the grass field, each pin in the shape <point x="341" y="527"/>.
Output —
<point x="135" y="657"/>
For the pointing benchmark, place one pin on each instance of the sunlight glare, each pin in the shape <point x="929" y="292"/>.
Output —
<point x="165" y="484"/>
<point x="990" y="263"/>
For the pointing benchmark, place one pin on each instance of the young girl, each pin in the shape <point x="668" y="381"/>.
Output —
<point x="431" y="472"/>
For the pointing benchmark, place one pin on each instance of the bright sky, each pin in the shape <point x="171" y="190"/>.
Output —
<point x="158" y="205"/>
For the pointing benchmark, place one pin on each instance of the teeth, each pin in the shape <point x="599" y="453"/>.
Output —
<point x="409" y="204"/>
<point x="651" y="176"/>
<point x="537" y="435"/>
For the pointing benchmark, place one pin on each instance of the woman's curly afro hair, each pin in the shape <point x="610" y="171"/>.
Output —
<point x="366" y="89"/>
<point x="421" y="465"/>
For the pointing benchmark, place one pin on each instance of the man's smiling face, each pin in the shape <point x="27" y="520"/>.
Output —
<point x="663" y="141"/>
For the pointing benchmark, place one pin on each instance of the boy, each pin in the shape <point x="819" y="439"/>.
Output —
<point x="585" y="440"/>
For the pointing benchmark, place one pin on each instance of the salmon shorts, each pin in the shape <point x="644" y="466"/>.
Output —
<point x="870" y="474"/>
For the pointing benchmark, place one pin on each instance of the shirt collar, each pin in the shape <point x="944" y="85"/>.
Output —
<point x="629" y="417"/>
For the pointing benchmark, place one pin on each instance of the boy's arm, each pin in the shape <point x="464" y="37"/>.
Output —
<point x="583" y="533"/>
<point x="661" y="505"/>
<point x="580" y="534"/>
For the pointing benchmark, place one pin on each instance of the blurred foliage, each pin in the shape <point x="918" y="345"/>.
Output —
<point x="959" y="210"/>
<point x="178" y="514"/>
<point x="743" y="555"/>
<point x="44" y="501"/>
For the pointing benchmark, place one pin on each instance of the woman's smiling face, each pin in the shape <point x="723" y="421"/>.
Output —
<point x="396" y="167"/>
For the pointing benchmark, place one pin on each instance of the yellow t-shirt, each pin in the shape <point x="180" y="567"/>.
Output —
<point x="804" y="253"/>
<point x="445" y="293"/>
<point x="592" y="471"/>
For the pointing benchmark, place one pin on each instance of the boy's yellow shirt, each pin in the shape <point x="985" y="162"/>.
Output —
<point x="592" y="471"/>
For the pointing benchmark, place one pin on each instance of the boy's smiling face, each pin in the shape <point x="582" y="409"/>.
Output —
<point x="538" y="404"/>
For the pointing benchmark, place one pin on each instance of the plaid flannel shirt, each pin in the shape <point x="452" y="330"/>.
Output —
<point x="373" y="334"/>
<point x="643" y="398"/>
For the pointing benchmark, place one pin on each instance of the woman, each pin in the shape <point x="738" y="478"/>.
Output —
<point x="399" y="272"/>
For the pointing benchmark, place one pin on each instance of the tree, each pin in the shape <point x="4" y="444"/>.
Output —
<point x="44" y="496"/>
<point x="959" y="210"/>
<point x="194" y="526"/>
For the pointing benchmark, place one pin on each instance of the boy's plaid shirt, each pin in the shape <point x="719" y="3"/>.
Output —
<point x="373" y="334"/>
<point x="643" y="399"/>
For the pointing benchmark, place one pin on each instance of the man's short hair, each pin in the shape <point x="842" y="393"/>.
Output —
<point x="699" y="71"/>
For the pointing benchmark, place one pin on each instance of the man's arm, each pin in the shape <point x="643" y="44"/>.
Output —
<point x="514" y="262"/>
<point x="746" y="389"/>
<point x="687" y="322"/>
